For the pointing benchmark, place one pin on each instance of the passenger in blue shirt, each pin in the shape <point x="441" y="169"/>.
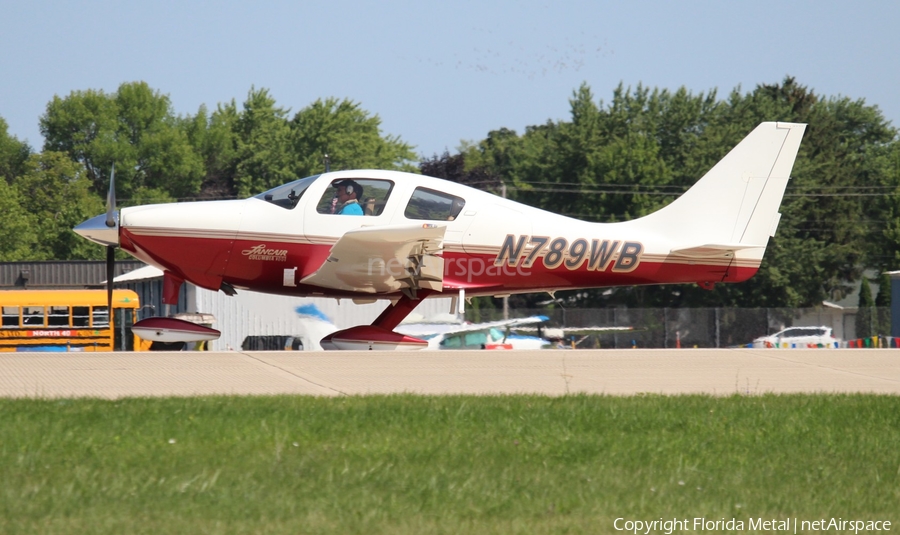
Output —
<point x="348" y="194"/>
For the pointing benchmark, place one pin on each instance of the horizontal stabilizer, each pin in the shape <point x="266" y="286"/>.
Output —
<point x="714" y="250"/>
<point x="173" y="330"/>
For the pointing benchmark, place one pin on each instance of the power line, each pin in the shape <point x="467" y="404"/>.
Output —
<point x="656" y="193"/>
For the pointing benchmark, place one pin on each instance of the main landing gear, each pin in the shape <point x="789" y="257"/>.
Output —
<point x="380" y="335"/>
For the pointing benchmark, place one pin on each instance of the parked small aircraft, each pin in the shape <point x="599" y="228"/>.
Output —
<point x="457" y="334"/>
<point x="417" y="236"/>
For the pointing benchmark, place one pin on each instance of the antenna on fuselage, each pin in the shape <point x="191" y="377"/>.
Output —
<point x="327" y="164"/>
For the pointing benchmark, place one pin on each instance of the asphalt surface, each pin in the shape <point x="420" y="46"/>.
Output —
<point x="549" y="372"/>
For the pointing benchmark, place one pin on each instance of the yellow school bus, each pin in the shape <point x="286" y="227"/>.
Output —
<point x="67" y="320"/>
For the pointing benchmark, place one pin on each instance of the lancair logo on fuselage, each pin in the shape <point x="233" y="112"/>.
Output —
<point x="262" y="252"/>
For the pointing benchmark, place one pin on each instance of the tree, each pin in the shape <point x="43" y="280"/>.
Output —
<point x="349" y="135"/>
<point x="454" y="169"/>
<point x="135" y="128"/>
<point x="18" y="236"/>
<point x="254" y="147"/>
<point x="214" y="137"/>
<point x="886" y="252"/>
<point x="13" y="153"/>
<point x="163" y="158"/>
<point x="260" y="143"/>
<point x="865" y="320"/>
<point x="828" y="198"/>
<point x="497" y="157"/>
<point x="56" y="193"/>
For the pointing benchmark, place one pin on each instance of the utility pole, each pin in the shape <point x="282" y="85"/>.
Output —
<point x="505" y="297"/>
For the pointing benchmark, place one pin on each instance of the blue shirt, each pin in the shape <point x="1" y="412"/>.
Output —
<point x="351" y="208"/>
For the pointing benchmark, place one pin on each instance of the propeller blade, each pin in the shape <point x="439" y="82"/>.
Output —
<point x="111" y="199"/>
<point x="110" y="273"/>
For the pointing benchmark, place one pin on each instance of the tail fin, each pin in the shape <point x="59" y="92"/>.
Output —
<point x="735" y="205"/>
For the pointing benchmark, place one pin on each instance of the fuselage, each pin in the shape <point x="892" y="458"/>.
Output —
<point x="491" y="245"/>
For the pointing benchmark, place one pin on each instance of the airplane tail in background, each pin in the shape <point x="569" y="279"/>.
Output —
<point x="734" y="207"/>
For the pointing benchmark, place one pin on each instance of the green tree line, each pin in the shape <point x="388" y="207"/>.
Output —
<point x="626" y="158"/>
<point x="608" y="161"/>
<point x="233" y="151"/>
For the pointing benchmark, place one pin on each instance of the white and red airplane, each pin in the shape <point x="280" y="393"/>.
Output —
<point x="420" y="237"/>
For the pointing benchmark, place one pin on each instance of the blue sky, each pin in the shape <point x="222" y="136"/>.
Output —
<point x="437" y="73"/>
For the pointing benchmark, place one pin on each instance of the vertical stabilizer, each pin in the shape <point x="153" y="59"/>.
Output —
<point x="735" y="205"/>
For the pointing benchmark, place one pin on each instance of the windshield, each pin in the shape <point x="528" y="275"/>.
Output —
<point x="287" y="195"/>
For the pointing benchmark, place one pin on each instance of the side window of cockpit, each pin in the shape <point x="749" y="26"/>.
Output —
<point x="434" y="205"/>
<point x="371" y="195"/>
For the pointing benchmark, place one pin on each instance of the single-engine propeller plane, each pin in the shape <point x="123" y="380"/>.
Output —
<point x="411" y="237"/>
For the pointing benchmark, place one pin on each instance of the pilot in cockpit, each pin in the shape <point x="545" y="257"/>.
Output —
<point x="346" y="198"/>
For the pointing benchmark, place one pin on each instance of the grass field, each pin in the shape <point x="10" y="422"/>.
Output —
<point x="413" y="464"/>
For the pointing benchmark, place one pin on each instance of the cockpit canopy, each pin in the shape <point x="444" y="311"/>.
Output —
<point x="423" y="204"/>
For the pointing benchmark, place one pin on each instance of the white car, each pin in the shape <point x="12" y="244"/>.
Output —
<point x="794" y="337"/>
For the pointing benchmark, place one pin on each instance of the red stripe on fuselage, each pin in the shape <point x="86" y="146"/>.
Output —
<point x="260" y="265"/>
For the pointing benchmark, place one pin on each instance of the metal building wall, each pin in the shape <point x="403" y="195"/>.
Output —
<point x="59" y="275"/>
<point x="256" y="314"/>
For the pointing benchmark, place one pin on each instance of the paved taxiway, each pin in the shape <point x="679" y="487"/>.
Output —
<point x="550" y="372"/>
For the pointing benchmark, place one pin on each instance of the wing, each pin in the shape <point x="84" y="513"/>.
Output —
<point x="515" y="322"/>
<point x="379" y="260"/>
<point x="470" y="327"/>
<point x="557" y="332"/>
